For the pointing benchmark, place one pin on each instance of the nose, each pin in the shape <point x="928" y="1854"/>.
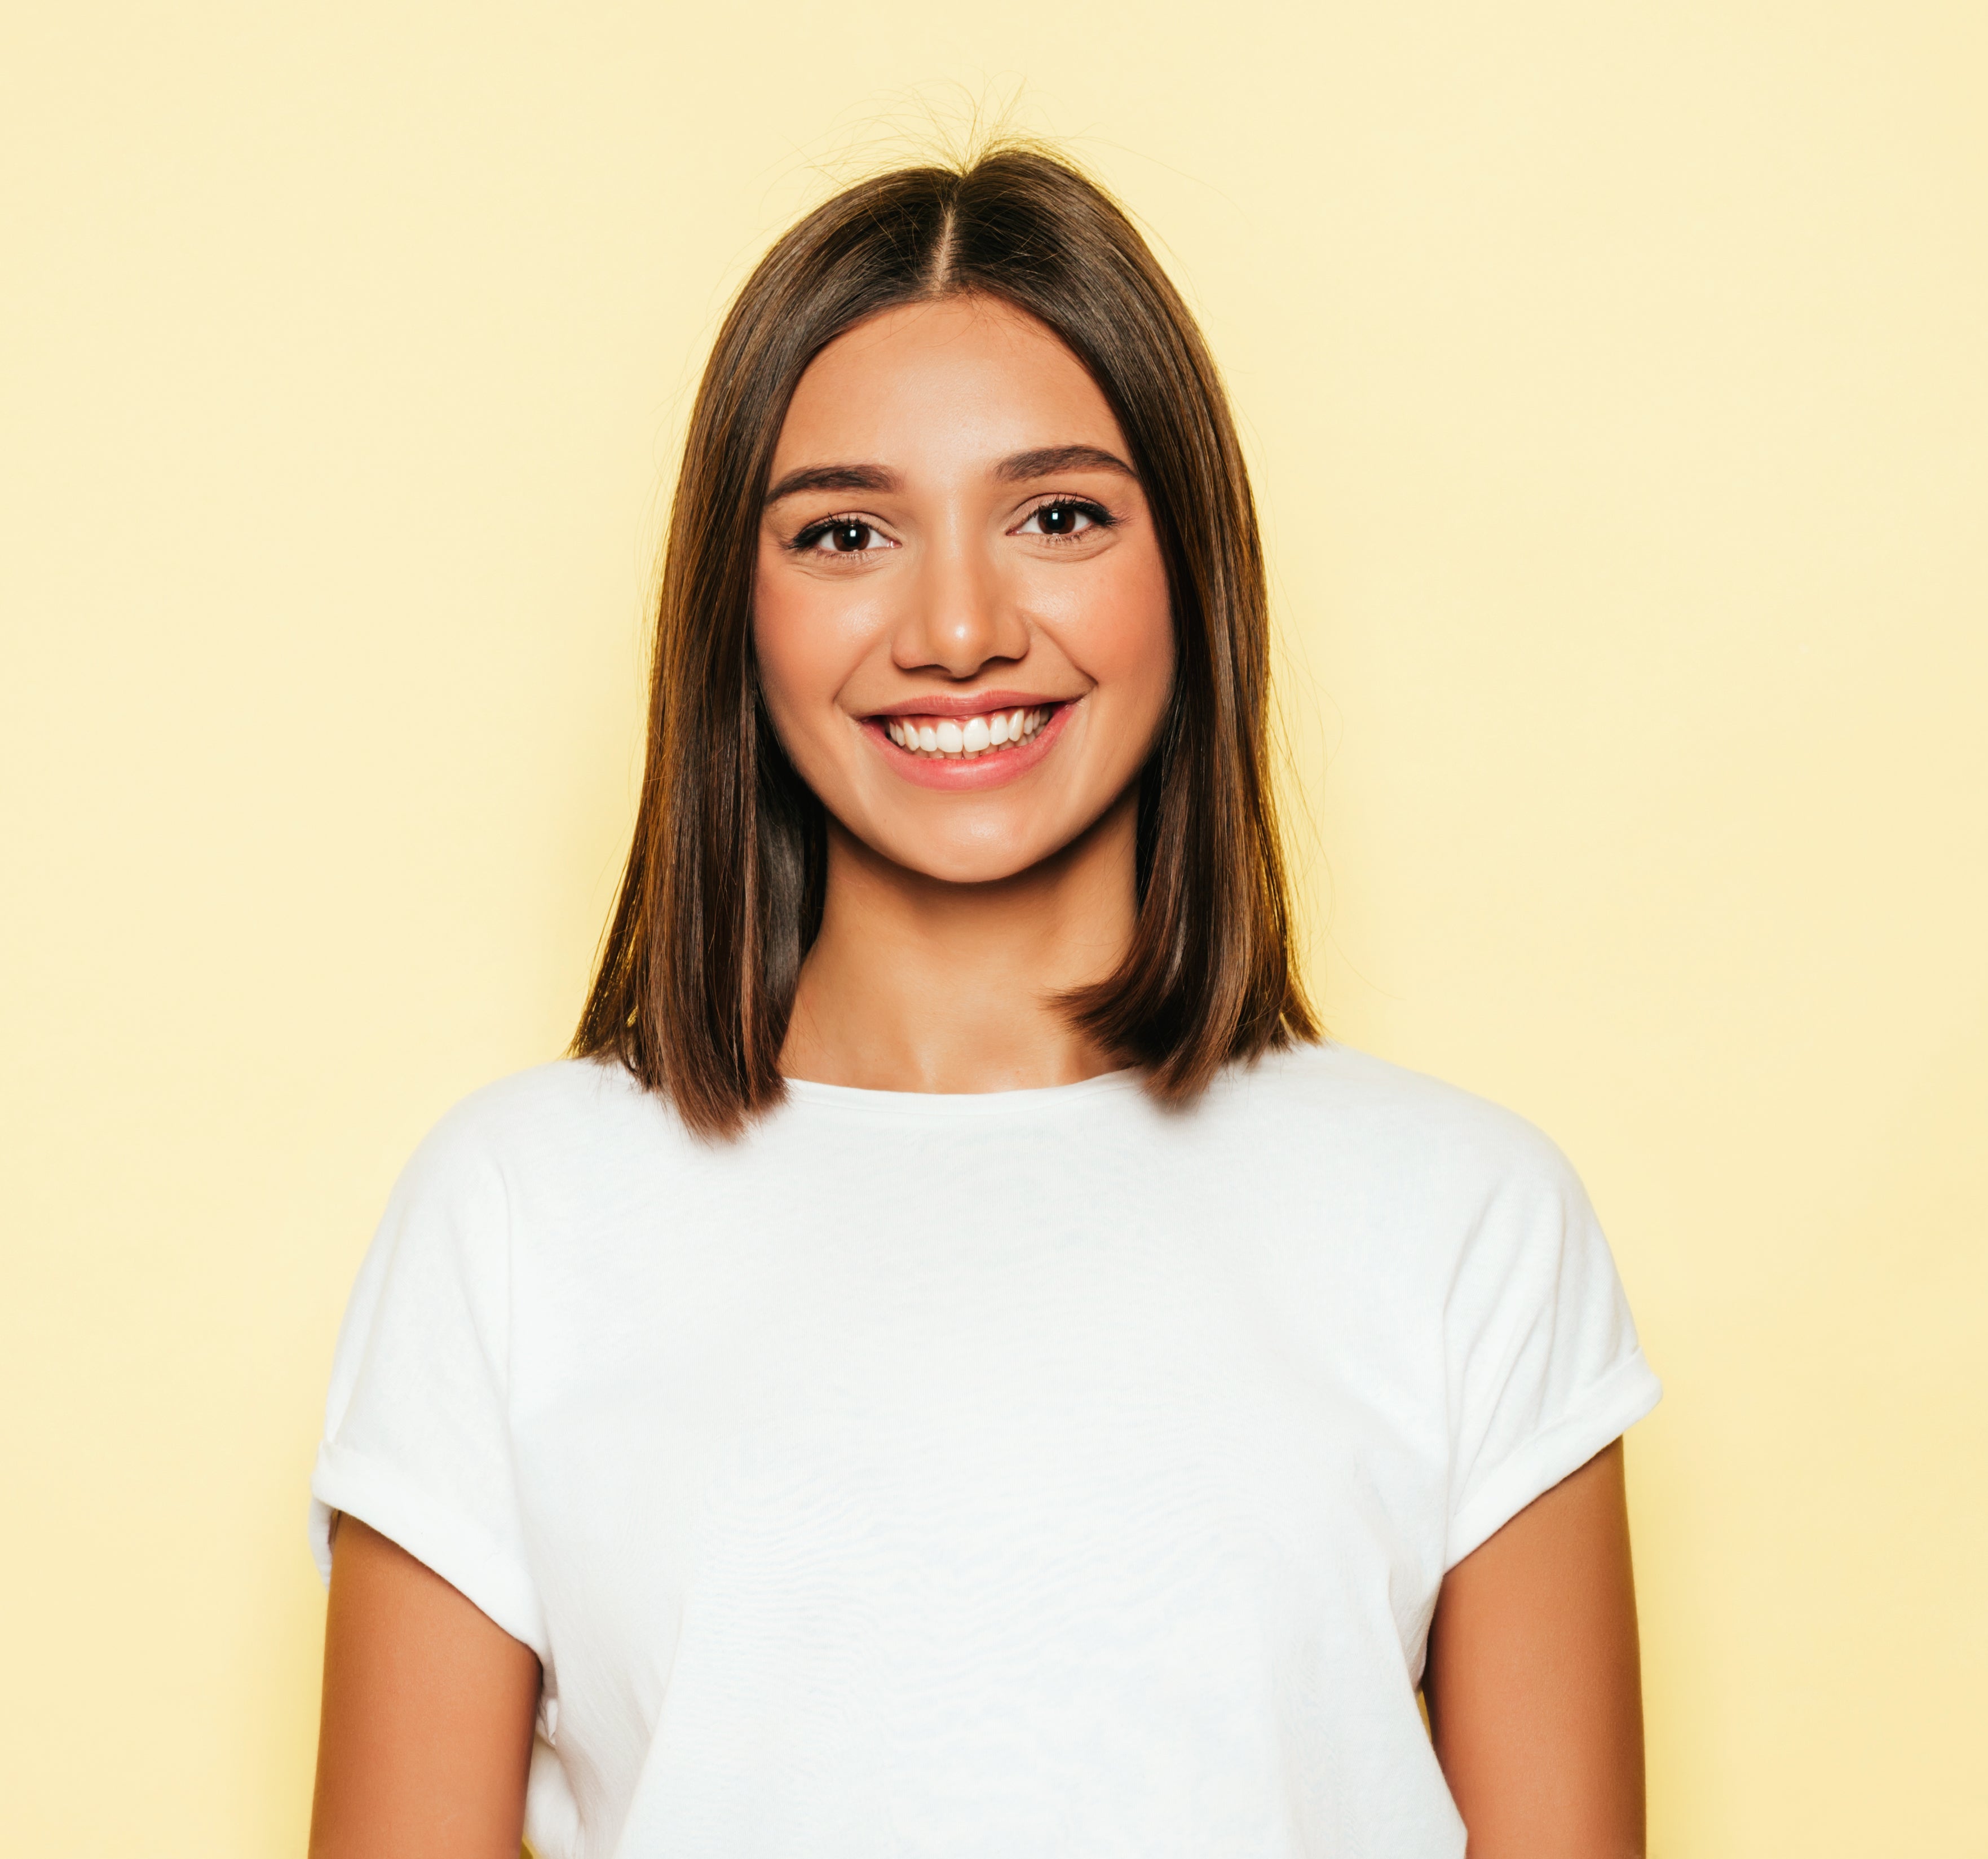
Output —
<point x="961" y="619"/>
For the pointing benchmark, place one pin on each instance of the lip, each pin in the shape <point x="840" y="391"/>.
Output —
<point x="970" y="774"/>
<point x="976" y="703"/>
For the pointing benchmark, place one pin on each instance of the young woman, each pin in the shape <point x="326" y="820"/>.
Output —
<point x="955" y="1364"/>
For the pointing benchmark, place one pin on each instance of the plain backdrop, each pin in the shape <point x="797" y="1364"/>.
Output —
<point x="1615" y="380"/>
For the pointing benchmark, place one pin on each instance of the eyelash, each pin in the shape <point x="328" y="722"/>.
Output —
<point x="1101" y="518"/>
<point x="804" y="543"/>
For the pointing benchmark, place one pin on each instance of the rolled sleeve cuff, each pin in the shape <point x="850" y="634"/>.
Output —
<point x="1607" y="1409"/>
<point x="424" y="1525"/>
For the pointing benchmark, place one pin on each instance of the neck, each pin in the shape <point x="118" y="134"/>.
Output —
<point x="918" y="984"/>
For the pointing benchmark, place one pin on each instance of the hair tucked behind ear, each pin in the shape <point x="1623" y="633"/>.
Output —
<point x="723" y="895"/>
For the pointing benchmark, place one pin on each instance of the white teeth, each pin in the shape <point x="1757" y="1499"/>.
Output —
<point x="973" y="735"/>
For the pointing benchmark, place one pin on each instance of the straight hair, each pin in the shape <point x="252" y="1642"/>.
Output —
<point x="722" y="898"/>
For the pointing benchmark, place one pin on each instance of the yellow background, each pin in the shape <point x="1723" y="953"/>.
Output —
<point x="1617" y="381"/>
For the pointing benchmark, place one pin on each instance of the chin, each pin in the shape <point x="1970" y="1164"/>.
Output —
<point x="964" y="858"/>
<point x="974" y="865"/>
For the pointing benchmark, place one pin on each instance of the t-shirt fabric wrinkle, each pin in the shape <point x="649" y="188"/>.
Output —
<point x="1043" y="1471"/>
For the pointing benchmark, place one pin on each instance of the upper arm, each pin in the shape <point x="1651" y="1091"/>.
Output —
<point x="425" y="1740"/>
<point x="1533" y="1682"/>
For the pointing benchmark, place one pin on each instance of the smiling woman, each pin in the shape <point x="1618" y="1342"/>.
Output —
<point x="994" y="470"/>
<point x="953" y="1362"/>
<point x="971" y="686"/>
<point x="993" y="593"/>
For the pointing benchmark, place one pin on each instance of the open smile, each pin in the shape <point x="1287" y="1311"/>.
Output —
<point x="942" y="743"/>
<point x="984" y="733"/>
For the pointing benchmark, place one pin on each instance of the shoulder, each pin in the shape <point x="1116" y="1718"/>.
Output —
<point x="570" y="1115"/>
<point x="563" y="1092"/>
<point x="1396" y="1130"/>
<point x="1333" y="1085"/>
<point x="1412" y="1175"/>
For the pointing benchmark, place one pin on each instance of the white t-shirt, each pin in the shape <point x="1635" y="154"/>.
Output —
<point x="1041" y="1472"/>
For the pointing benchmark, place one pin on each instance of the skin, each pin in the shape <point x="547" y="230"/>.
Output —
<point x="424" y="1733"/>
<point x="932" y="439"/>
<point x="952" y="917"/>
<point x="1534" y="1682"/>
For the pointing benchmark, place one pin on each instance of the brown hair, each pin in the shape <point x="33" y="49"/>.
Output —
<point x="722" y="894"/>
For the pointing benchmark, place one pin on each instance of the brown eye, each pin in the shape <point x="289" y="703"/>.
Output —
<point x="1061" y="521"/>
<point x="841" y="536"/>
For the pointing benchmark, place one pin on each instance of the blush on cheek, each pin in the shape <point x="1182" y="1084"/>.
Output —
<point x="802" y="658"/>
<point x="1124" y="641"/>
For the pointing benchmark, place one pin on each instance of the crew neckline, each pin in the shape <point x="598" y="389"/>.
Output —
<point x="959" y="1104"/>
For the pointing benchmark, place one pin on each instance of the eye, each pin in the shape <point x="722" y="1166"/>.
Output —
<point x="841" y="536"/>
<point x="1064" y="517"/>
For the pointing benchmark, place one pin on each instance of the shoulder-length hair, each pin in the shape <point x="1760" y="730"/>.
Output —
<point x="723" y="895"/>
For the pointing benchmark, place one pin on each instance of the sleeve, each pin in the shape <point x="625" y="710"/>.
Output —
<point x="417" y="1437"/>
<point x="1544" y="1367"/>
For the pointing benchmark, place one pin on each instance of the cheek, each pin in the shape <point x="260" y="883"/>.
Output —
<point x="806" y="646"/>
<point x="1122" y="634"/>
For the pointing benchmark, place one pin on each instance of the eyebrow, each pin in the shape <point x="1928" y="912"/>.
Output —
<point x="833" y="478"/>
<point x="1044" y="461"/>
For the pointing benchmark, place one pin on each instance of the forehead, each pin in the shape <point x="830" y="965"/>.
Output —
<point x="960" y="380"/>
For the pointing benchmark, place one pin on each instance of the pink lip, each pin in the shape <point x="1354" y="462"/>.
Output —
<point x="968" y="774"/>
<point x="977" y="703"/>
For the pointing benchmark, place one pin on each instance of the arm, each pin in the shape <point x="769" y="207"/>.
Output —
<point x="1533" y="1685"/>
<point x="426" y="1735"/>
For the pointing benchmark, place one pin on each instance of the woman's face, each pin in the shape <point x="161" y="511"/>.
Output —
<point x="961" y="611"/>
